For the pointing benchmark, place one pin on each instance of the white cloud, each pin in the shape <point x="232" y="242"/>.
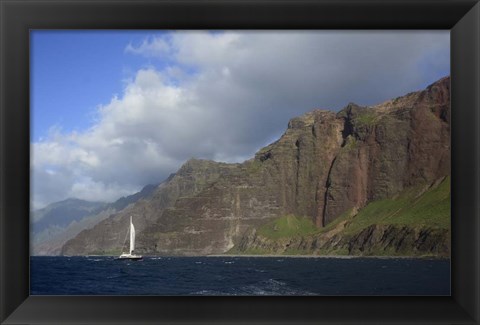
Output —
<point x="222" y="96"/>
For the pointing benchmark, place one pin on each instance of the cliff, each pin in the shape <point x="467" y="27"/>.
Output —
<point x="61" y="221"/>
<point x="326" y="167"/>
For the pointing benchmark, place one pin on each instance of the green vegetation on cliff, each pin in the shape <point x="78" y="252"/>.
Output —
<point x="415" y="207"/>
<point x="366" y="118"/>
<point x="287" y="226"/>
<point x="421" y="206"/>
<point x="415" y="222"/>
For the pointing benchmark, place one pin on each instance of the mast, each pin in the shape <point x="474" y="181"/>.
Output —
<point x="132" y="236"/>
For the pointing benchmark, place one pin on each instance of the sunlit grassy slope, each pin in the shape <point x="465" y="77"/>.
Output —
<point x="287" y="226"/>
<point x="414" y="207"/>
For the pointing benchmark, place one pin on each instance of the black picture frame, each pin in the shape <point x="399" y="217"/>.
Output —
<point x="17" y="17"/>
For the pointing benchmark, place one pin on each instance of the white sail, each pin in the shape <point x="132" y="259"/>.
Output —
<point x="132" y="236"/>
<point x="131" y="255"/>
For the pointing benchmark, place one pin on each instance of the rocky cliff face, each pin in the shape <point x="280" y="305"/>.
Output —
<point x="375" y="240"/>
<point x="324" y="165"/>
<point x="389" y="147"/>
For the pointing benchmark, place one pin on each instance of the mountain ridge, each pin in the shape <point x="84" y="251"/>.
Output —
<point x="325" y="164"/>
<point x="63" y="220"/>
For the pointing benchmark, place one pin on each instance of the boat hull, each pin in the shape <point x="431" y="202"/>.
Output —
<point x="129" y="257"/>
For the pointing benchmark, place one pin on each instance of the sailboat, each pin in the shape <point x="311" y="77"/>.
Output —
<point x="130" y="255"/>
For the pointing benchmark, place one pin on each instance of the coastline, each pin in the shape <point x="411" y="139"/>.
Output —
<point x="273" y="256"/>
<point x="333" y="256"/>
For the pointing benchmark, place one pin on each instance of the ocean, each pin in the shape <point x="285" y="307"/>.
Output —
<point x="277" y="276"/>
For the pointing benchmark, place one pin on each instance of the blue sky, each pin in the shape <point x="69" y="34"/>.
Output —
<point x="113" y="111"/>
<point x="75" y="71"/>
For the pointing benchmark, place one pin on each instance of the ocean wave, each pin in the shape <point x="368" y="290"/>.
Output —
<point x="211" y="293"/>
<point x="273" y="287"/>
